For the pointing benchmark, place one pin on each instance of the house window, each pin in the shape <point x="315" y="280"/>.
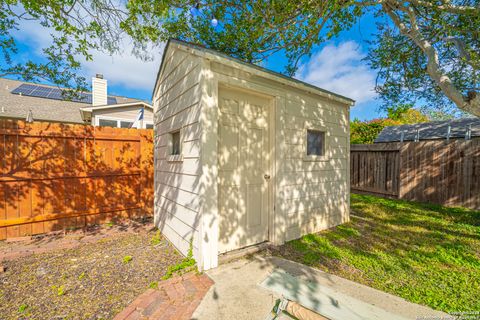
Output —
<point x="126" y="124"/>
<point x="175" y="143"/>
<point x="315" y="143"/>
<point x="104" y="121"/>
<point x="107" y="123"/>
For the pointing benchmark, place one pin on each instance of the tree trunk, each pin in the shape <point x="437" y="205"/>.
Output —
<point x="473" y="105"/>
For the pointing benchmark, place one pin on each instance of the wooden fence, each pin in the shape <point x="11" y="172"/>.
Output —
<point x="440" y="172"/>
<point x="375" y="168"/>
<point x="56" y="176"/>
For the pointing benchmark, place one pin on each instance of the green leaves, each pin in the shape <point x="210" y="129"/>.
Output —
<point x="76" y="28"/>
<point x="365" y="132"/>
<point x="402" y="65"/>
<point x="127" y="259"/>
<point x="249" y="30"/>
<point x="255" y="30"/>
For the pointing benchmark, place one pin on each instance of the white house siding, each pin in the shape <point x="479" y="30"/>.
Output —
<point x="176" y="106"/>
<point x="313" y="195"/>
<point x="123" y="113"/>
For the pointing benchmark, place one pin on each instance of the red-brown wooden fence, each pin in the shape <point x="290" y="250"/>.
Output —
<point x="59" y="176"/>
<point x="440" y="172"/>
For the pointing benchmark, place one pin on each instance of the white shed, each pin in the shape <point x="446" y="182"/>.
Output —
<point x="244" y="155"/>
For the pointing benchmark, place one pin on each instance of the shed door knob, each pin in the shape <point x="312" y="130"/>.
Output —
<point x="267" y="177"/>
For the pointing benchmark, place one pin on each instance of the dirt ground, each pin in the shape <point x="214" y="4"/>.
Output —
<point x="81" y="275"/>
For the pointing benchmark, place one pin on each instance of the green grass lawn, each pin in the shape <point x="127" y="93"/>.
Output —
<point x="427" y="254"/>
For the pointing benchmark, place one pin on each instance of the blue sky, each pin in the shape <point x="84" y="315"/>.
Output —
<point x="336" y="66"/>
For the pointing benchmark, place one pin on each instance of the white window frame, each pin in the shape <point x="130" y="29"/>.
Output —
<point x="175" y="157"/>
<point x="101" y="117"/>
<point x="148" y="122"/>
<point x="326" y="146"/>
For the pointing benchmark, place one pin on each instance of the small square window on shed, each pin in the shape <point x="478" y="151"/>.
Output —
<point x="315" y="143"/>
<point x="175" y="143"/>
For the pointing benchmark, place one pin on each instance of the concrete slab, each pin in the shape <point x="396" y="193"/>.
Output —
<point x="237" y="293"/>
<point x="325" y="301"/>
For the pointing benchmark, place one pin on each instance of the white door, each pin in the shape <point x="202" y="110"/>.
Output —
<point x="244" y="169"/>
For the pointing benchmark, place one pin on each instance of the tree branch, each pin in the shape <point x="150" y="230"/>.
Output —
<point x="469" y="104"/>
<point x="447" y="7"/>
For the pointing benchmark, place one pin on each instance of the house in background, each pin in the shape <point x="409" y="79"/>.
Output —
<point x="244" y="155"/>
<point x="466" y="128"/>
<point x="47" y="103"/>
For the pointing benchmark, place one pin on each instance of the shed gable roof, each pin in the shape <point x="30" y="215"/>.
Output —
<point x="221" y="57"/>
<point x="430" y="130"/>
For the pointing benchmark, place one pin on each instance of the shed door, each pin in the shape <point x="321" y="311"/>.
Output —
<point x="243" y="163"/>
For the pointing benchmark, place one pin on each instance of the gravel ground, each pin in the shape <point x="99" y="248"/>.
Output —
<point x="95" y="280"/>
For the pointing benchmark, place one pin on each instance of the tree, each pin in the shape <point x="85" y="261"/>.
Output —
<point x="365" y="132"/>
<point x="249" y="30"/>
<point x="406" y="114"/>
<point x="425" y="51"/>
<point x="429" y="50"/>
<point x="77" y="27"/>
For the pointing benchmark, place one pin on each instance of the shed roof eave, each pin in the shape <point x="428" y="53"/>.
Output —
<point x="222" y="58"/>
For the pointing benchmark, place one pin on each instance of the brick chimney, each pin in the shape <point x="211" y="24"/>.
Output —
<point x="99" y="90"/>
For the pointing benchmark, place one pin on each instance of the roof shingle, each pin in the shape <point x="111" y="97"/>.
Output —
<point x="18" y="106"/>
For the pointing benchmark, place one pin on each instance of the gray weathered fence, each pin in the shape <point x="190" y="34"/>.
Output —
<point x="440" y="172"/>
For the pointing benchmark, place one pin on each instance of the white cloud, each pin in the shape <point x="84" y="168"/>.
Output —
<point x="123" y="69"/>
<point x="126" y="69"/>
<point x="340" y="69"/>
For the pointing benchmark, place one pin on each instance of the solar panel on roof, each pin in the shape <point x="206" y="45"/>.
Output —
<point x="27" y="87"/>
<point x="24" y="89"/>
<point x="83" y="97"/>
<point x="43" y="89"/>
<point x="41" y="92"/>
<point x="55" y="94"/>
<point x="33" y="90"/>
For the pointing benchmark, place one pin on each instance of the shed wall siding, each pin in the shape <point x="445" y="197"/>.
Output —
<point x="314" y="195"/>
<point x="176" y="106"/>
<point x="310" y="196"/>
